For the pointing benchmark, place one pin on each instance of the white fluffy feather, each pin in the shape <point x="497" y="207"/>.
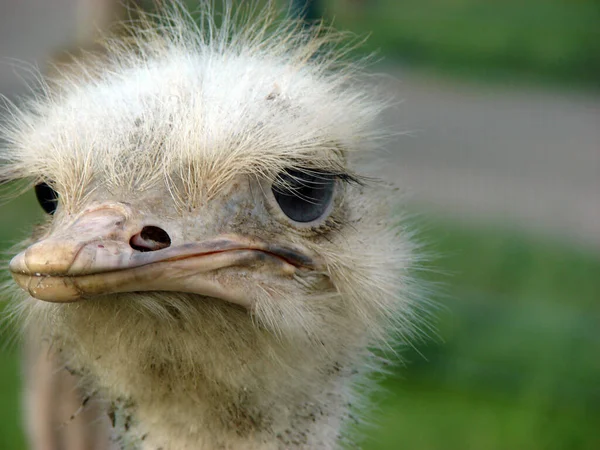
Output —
<point x="189" y="110"/>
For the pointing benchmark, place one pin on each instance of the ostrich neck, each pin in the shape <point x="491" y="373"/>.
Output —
<point x="214" y="382"/>
<point x="226" y="419"/>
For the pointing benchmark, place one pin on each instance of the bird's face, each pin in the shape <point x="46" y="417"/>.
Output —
<point x="220" y="178"/>
<point x="255" y="238"/>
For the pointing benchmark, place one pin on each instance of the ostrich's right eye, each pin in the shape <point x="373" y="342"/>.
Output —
<point x="304" y="196"/>
<point x="47" y="197"/>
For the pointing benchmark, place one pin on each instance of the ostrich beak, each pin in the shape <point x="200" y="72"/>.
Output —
<point x="98" y="255"/>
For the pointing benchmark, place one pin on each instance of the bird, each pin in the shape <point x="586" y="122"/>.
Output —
<point x="214" y="269"/>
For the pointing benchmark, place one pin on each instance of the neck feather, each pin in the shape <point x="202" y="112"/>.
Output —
<point x="214" y="380"/>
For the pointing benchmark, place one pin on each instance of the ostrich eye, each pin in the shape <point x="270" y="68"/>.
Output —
<point x="304" y="196"/>
<point x="47" y="197"/>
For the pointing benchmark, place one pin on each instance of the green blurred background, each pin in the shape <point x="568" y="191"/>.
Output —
<point x="515" y="360"/>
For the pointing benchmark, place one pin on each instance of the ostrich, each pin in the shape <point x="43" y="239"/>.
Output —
<point x="214" y="269"/>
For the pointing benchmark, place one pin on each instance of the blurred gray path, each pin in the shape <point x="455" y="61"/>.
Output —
<point x="521" y="156"/>
<point x="30" y="30"/>
<point x="529" y="158"/>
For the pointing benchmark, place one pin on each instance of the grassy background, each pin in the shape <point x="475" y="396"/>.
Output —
<point x="515" y="363"/>
<point x="516" y="366"/>
<point x="551" y="40"/>
<point x="527" y="40"/>
<point x="16" y="219"/>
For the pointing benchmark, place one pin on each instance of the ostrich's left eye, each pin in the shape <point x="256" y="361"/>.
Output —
<point x="47" y="197"/>
<point x="304" y="196"/>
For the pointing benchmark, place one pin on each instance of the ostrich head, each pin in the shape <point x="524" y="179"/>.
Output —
<point x="212" y="264"/>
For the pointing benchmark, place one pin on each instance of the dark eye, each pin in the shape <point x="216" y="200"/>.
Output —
<point x="304" y="196"/>
<point x="47" y="197"/>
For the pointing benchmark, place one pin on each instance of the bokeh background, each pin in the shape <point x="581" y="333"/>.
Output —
<point x="499" y="153"/>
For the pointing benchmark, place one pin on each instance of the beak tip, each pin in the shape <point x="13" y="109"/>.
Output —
<point x="17" y="263"/>
<point x="47" y="289"/>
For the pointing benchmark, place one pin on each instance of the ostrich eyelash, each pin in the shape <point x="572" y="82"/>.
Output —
<point x="345" y="177"/>
<point x="350" y="178"/>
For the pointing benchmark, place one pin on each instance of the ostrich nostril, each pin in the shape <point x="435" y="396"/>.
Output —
<point x="150" y="239"/>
